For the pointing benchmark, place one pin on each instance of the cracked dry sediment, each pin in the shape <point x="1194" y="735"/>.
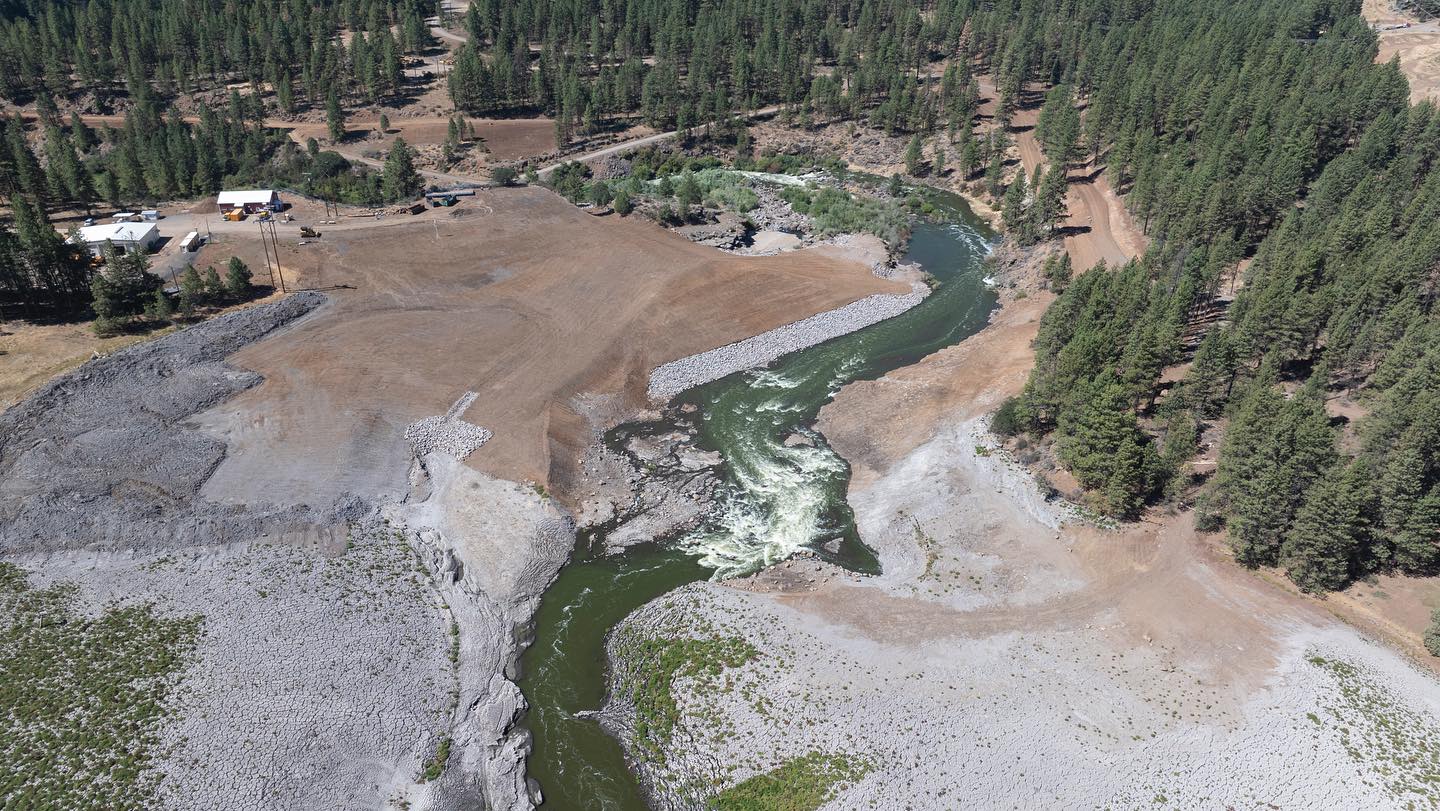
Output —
<point x="498" y="545"/>
<point x="674" y="377"/>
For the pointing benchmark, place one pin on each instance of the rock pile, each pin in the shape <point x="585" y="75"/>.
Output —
<point x="774" y="214"/>
<point x="447" y="433"/>
<point x="670" y="379"/>
<point x="106" y="456"/>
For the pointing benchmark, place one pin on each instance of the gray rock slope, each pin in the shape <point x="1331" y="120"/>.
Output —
<point x="101" y="458"/>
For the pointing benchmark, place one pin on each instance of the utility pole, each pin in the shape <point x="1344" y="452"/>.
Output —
<point x="275" y="242"/>
<point x="266" y="248"/>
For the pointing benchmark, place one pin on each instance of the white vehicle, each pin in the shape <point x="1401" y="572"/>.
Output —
<point x="191" y="242"/>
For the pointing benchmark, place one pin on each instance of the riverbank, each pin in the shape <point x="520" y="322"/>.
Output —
<point x="432" y="408"/>
<point x="1011" y="652"/>
<point x="759" y="351"/>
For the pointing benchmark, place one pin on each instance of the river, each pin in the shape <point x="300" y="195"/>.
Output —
<point x="777" y="496"/>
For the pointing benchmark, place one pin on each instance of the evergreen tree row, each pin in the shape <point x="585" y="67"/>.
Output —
<point x="1262" y="131"/>
<point x="49" y="48"/>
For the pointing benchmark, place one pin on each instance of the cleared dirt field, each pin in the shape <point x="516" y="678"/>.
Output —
<point x="1417" y="45"/>
<point x="548" y="313"/>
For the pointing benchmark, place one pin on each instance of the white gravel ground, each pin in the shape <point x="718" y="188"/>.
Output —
<point x="318" y="682"/>
<point x="1039" y="720"/>
<point x="997" y="664"/>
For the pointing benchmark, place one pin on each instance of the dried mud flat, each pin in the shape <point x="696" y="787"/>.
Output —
<point x="1013" y="655"/>
<point x="363" y="609"/>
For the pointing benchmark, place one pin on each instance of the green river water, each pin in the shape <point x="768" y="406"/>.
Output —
<point x="775" y="499"/>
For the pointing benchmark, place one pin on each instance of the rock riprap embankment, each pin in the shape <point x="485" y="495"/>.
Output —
<point x="670" y="379"/>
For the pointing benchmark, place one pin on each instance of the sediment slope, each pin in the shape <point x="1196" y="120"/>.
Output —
<point x="525" y="300"/>
<point x="104" y="456"/>
<point x="268" y="451"/>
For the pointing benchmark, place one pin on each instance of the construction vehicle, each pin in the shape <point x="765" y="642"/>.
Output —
<point x="235" y="214"/>
<point x="309" y="233"/>
<point x="263" y="216"/>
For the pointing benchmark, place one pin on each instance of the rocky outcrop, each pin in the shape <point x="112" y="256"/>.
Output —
<point x="496" y="546"/>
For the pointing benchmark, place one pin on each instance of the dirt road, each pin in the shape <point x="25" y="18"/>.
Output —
<point x="639" y="143"/>
<point x="1101" y="227"/>
<point x="1416" y="43"/>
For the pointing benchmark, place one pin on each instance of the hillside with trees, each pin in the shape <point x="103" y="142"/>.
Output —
<point x="1265" y="134"/>
<point x="1259" y="146"/>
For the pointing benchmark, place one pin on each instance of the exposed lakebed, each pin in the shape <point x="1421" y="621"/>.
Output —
<point x="782" y="489"/>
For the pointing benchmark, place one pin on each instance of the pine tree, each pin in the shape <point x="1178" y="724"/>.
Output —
<point x="913" y="156"/>
<point x="237" y="279"/>
<point x="214" y="288"/>
<point x="1432" y="633"/>
<point x="192" y="290"/>
<point x="400" y="178"/>
<point x="124" y="287"/>
<point x="1050" y="198"/>
<point x="1015" y="211"/>
<point x="158" y="308"/>
<point x="1321" y="548"/>
<point x="335" y="117"/>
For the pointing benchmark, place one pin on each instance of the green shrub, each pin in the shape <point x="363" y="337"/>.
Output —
<point x="1432" y="634"/>
<point x="800" y="784"/>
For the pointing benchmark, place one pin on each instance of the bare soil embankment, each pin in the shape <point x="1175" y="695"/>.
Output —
<point x="264" y="427"/>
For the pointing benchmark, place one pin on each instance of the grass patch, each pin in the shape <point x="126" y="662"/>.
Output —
<point x="801" y="784"/>
<point x="1399" y="745"/>
<point x="930" y="548"/>
<point x="82" y="698"/>
<point x="652" y="664"/>
<point x="436" y="766"/>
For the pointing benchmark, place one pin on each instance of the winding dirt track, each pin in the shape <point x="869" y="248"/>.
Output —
<point x="1100" y="229"/>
